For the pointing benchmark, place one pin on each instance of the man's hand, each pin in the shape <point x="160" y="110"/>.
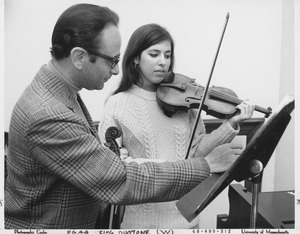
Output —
<point x="223" y="156"/>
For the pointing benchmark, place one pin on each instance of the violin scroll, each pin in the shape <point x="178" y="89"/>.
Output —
<point x="111" y="134"/>
<point x="268" y="113"/>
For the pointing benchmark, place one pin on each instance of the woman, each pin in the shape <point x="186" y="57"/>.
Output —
<point x="148" y="131"/>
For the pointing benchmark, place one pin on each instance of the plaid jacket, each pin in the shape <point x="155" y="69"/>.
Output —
<point x="60" y="176"/>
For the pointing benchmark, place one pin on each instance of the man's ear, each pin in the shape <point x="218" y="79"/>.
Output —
<point x="77" y="55"/>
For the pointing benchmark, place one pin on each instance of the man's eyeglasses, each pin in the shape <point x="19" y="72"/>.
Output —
<point x="114" y="60"/>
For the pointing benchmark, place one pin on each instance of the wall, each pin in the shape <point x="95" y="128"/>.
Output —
<point x="255" y="59"/>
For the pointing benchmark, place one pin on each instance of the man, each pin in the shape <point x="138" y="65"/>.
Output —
<point x="59" y="174"/>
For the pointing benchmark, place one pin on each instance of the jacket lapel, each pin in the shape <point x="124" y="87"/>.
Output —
<point x="88" y="117"/>
<point x="60" y="91"/>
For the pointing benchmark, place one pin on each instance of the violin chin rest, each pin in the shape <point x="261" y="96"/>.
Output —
<point x="169" y="77"/>
<point x="169" y="113"/>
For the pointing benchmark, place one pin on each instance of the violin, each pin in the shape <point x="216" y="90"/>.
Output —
<point x="113" y="215"/>
<point x="179" y="92"/>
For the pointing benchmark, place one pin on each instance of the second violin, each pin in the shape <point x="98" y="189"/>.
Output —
<point x="179" y="92"/>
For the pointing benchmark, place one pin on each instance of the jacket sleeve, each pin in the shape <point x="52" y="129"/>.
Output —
<point x="60" y="141"/>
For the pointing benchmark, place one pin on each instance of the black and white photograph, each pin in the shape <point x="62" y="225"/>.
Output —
<point x="150" y="116"/>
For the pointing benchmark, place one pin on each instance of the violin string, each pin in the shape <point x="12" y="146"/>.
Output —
<point x="220" y="95"/>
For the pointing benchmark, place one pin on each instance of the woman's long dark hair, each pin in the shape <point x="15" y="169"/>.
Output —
<point x="144" y="37"/>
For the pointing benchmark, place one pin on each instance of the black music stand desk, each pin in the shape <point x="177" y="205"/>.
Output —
<point x="259" y="149"/>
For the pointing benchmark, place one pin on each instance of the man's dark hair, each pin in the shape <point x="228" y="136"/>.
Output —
<point x="79" y="26"/>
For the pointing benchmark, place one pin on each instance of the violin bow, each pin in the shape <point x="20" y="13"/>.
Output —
<point x="206" y="87"/>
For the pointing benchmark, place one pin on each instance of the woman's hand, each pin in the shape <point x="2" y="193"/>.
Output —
<point x="245" y="112"/>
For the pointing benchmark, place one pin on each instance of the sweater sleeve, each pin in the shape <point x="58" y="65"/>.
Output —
<point x="204" y="143"/>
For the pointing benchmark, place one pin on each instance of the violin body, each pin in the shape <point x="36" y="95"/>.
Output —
<point x="181" y="93"/>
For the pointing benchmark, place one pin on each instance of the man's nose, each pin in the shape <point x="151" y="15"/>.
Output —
<point x="115" y="70"/>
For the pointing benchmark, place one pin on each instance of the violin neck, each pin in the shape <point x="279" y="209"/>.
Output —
<point x="237" y="101"/>
<point x="263" y="110"/>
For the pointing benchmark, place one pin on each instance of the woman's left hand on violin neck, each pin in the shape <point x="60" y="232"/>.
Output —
<point x="245" y="111"/>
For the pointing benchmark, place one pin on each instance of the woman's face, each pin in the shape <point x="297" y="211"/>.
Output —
<point x="154" y="62"/>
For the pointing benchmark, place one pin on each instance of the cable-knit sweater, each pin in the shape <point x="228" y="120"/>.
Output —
<point x="148" y="134"/>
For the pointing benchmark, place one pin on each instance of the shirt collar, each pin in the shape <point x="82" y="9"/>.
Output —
<point x="73" y="89"/>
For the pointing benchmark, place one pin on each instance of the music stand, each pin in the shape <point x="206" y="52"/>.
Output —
<point x="250" y="164"/>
